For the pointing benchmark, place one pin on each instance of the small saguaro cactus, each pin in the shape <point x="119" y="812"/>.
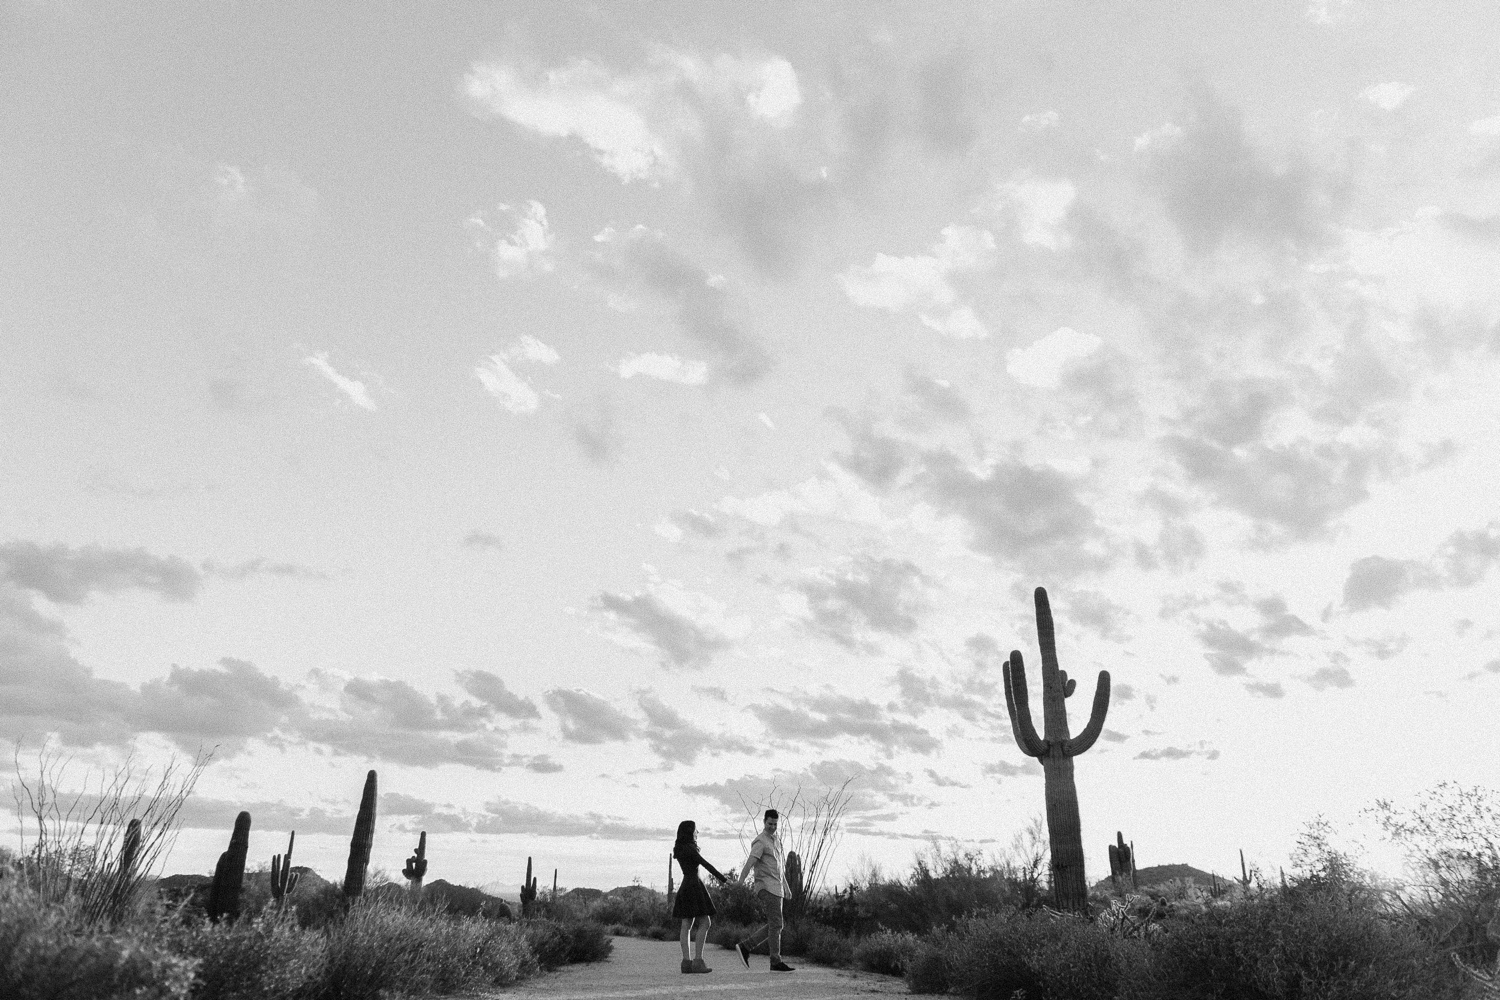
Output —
<point x="528" y="891"/>
<point x="283" y="879"/>
<point x="1056" y="750"/>
<point x="794" y="887"/>
<point x="1244" y="879"/>
<point x="359" y="844"/>
<point x="229" y="873"/>
<point x="416" y="866"/>
<point x="1122" y="861"/>
<point x="554" y="885"/>
<point x="671" y="889"/>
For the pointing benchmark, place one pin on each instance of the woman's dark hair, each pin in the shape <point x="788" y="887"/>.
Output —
<point x="687" y="833"/>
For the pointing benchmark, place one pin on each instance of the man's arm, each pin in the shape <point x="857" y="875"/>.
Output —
<point x="756" y="849"/>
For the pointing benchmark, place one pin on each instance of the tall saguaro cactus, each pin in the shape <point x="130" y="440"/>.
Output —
<point x="229" y="873"/>
<point x="1121" y="861"/>
<point x="1056" y="750"/>
<point x="359" y="844"/>
<point x="416" y="866"/>
<point x="283" y="879"/>
<point x="528" y="891"/>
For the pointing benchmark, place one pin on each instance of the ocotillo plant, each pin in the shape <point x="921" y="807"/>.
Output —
<point x="416" y="866"/>
<point x="283" y="879"/>
<point x="1056" y="750"/>
<point x="359" y="844"/>
<point x="528" y="891"/>
<point x="1121" y="861"/>
<point x="229" y="873"/>
<point x="793" y="872"/>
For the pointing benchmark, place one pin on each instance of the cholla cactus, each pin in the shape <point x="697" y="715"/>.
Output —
<point x="360" y="843"/>
<point x="416" y="866"/>
<point x="229" y="873"/>
<point x="1056" y="751"/>
<point x="283" y="879"/>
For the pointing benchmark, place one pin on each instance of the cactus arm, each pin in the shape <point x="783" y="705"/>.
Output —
<point x="1090" y="734"/>
<point x="1016" y="703"/>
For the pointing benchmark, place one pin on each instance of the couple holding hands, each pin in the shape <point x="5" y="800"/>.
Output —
<point x="694" y="906"/>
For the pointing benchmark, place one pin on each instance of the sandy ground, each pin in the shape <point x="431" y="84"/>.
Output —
<point x="642" y="968"/>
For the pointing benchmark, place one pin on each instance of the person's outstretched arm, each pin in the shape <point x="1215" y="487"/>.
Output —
<point x="755" y="852"/>
<point x="711" y="869"/>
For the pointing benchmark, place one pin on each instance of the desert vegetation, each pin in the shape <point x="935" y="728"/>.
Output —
<point x="82" y="915"/>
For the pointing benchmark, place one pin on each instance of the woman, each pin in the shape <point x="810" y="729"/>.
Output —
<point x="693" y="903"/>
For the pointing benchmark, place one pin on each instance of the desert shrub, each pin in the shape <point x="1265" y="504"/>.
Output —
<point x="725" y="933"/>
<point x="817" y="943"/>
<point x="587" y="941"/>
<point x="1049" y="958"/>
<point x="318" y="907"/>
<point x="886" y="952"/>
<point x="383" y="947"/>
<point x="1313" y="942"/>
<point x="927" y="968"/>
<point x="263" y="957"/>
<point x="947" y="884"/>
<point x="634" y="909"/>
<point x="556" y="943"/>
<point x="50" y="951"/>
<point x="737" y="904"/>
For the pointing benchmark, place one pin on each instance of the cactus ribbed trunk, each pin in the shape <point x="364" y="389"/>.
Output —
<point x="360" y="843"/>
<point x="229" y="873"/>
<point x="416" y="866"/>
<point x="1056" y="750"/>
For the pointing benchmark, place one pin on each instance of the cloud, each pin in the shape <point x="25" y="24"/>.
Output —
<point x="919" y="693"/>
<point x="228" y="705"/>
<point x="1179" y="753"/>
<point x="491" y="690"/>
<point x="67" y="575"/>
<point x="689" y="522"/>
<point x="938" y="397"/>
<point x="922" y="283"/>
<point x="1217" y="188"/>
<point x="528" y="249"/>
<point x="1265" y="689"/>
<point x="1018" y="513"/>
<point x="681" y="640"/>
<point x="828" y="716"/>
<point x="528" y="348"/>
<point x="879" y="595"/>
<point x="1097" y="613"/>
<point x="1228" y="650"/>
<point x="483" y="540"/>
<point x="1335" y="676"/>
<point x="503" y="816"/>
<point x="666" y="367"/>
<point x="587" y="718"/>
<point x="944" y="782"/>
<point x="1038" y="121"/>
<point x="1037" y="209"/>
<point x="676" y="740"/>
<point x="1387" y="96"/>
<point x="641" y="260"/>
<point x="513" y="392"/>
<point x="1041" y="365"/>
<point x="1463" y="559"/>
<point x="1005" y="769"/>
<point x="355" y="390"/>
<point x="871" y="788"/>
<point x="1486" y="127"/>
<point x="260" y="566"/>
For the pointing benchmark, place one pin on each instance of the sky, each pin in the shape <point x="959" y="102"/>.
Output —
<point x="597" y="415"/>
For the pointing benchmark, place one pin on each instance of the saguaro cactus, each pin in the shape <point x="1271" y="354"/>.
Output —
<point x="416" y="866"/>
<point x="1122" y="861"/>
<point x="793" y="872"/>
<point x="1056" y="750"/>
<point x="229" y="873"/>
<point x="528" y="891"/>
<point x="671" y="889"/>
<point x="359" y="844"/>
<point x="283" y="879"/>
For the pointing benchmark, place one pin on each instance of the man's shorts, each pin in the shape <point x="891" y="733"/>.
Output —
<point x="771" y="903"/>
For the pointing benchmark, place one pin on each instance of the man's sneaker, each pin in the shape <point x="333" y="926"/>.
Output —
<point x="744" y="953"/>
<point x="687" y="965"/>
<point x="781" y="967"/>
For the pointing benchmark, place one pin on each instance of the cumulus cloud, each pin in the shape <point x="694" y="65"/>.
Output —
<point x="923" y="283"/>
<point x="872" y="789"/>
<point x="261" y="566"/>
<point x="1462" y="560"/>
<point x="1039" y="120"/>
<point x="491" y="691"/>
<point x="587" y="718"/>
<point x="351" y="388"/>
<point x="1335" y="675"/>
<point x="666" y="367"/>
<point x="1202" y="749"/>
<point x="868" y="595"/>
<point x="67" y="575"/>
<point x="1037" y="209"/>
<point x="484" y="540"/>
<point x="681" y="640"/>
<point x="503" y="816"/>
<point x="938" y="397"/>
<point x="528" y="348"/>
<point x="527" y="250"/>
<point x="677" y="740"/>
<point x="824" y="717"/>
<point x="1387" y="96"/>
<point x="512" y="391"/>
<point x="1041" y="365"/>
<point x="1006" y="769"/>
<point x="642" y="261"/>
<point x="223" y="706"/>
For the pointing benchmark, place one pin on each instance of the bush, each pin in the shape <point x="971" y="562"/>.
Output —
<point x="1310" y="943"/>
<point x="1048" y="958"/>
<point x="265" y="957"/>
<point x="555" y="943"/>
<point x="886" y="952"/>
<point x="927" y="970"/>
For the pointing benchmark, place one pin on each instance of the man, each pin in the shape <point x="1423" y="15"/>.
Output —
<point x="765" y="860"/>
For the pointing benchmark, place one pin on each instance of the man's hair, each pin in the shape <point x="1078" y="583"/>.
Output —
<point x="772" y="814"/>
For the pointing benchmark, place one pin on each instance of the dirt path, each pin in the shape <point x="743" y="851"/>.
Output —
<point x="639" y="968"/>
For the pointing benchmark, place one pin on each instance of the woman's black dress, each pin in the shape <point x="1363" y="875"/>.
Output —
<point x="692" y="897"/>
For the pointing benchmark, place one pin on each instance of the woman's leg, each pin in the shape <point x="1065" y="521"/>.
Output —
<point x="687" y="923"/>
<point x="700" y="935"/>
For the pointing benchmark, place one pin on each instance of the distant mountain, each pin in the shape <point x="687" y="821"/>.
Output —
<point x="1159" y="874"/>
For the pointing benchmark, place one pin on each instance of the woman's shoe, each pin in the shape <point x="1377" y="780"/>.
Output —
<point x="687" y="965"/>
<point x="698" y="966"/>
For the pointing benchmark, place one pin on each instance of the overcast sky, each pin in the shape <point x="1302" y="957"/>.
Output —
<point x="589" y="414"/>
